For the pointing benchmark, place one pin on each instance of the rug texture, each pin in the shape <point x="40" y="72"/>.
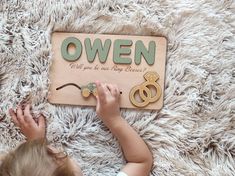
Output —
<point x="193" y="134"/>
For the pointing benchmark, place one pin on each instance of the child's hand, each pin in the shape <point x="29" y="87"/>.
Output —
<point x="107" y="108"/>
<point x="24" y="120"/>
<point x="138" y="156"/>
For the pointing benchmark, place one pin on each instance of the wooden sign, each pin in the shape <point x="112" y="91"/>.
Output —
<point x="135" y="63"/>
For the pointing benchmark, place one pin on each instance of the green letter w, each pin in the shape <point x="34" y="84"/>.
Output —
<point x="97" y="47"/>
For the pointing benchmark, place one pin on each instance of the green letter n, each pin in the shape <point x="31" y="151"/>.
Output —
<point x="97" y="47"/>
<point x="149" y="54"/>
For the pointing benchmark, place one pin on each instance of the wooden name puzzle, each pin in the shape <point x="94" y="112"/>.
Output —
<point x="135" y="63"/>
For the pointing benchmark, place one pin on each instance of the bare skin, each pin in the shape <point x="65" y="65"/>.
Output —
<point x="33" y="130"/>
<point x="138" y="156"/>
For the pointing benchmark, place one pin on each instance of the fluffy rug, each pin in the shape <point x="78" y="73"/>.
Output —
<point x="193" y="134"/>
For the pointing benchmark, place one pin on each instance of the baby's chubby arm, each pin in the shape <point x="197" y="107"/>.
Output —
<point x="138" y="156"/>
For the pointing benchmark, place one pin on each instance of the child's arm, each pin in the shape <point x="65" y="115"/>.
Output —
<point x="33" y="130"/>
<point x="139" y="158"/>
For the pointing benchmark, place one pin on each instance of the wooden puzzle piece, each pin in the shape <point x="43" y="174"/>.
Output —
<point x="86" y="90"/>
<point x="89" y="89"/>
<point x="144" y="91"/>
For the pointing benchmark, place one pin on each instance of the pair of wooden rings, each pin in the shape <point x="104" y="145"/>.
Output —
<point x="145" y="92"/>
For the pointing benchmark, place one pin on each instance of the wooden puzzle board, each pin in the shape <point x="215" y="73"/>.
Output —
<point x="82" y="72"/>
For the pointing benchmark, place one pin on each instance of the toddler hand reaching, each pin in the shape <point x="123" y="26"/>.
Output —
<point x="35" y="157"/>
<point x="29" y="127"/>
<point x="107" y="107"/>
<point x="138" y="156"/>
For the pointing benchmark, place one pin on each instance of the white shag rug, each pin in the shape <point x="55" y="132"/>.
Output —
<point x="194" y="133"/>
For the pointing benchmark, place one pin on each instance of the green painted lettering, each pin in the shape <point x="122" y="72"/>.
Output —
<point x="91" y="51"/>
<point x="118" y="51"/>
<point x="149" y="55"/>
<point x="64" y="49"/>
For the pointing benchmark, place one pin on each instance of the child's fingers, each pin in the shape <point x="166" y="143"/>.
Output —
<point x="100" y="91"/>
<point x="20" y="116"/>
<point x="41" y="122"/>
<point x="27" y="114"/>
<point x="14" y="117"/>
<point x="111" y="88"/>
<point x="116" y="91"/>
<point x="106" y="91"/>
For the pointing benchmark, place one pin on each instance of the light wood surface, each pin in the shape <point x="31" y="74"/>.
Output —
<point x="63" y="72"/>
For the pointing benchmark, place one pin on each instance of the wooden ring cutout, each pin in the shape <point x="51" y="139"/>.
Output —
<point x="145" y="99"/>
<point x="145" y="92"/>
<point x="151" y="98"/>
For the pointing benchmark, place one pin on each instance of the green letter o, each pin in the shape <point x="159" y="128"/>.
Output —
<point x="64" y="49"/>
